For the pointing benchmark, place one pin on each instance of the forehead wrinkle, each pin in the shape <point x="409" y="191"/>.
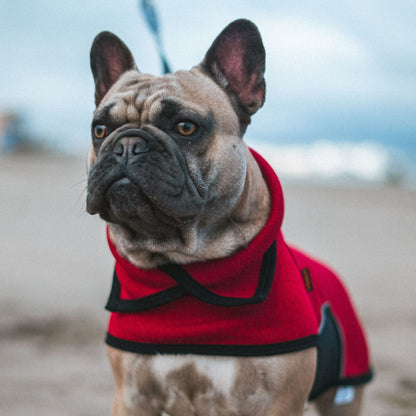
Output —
<point x="152" y="101"/>
<point x="129" y="98"/>
<point x="120" y="111"/>
<point x="131" y="111"/>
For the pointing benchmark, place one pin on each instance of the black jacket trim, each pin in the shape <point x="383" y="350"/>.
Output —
<point x="188" y="285"/>
<point x="356" y="381"/>
<point x="219" y="350"/>
<point x="185" y="280"/>
<point x="115" y="304"/>
<point x="330" y="358"/>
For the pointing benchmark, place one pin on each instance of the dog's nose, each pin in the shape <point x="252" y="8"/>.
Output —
<point x="130" y="146"/>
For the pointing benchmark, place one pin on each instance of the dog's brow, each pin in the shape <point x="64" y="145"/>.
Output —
<point x="104" y="113"/>
<point x="170" y="107"/>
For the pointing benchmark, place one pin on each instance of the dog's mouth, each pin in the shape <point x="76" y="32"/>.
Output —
<point x="124" y="197"/>
<point x="151" y="189"/>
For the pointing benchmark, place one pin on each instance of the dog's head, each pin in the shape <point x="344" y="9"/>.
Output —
<point x="167" y="167"/>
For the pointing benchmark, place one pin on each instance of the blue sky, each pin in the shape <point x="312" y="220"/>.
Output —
<point x="336" y="70"/>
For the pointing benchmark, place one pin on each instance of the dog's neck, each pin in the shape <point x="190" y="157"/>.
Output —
<point x="204" y="241"/>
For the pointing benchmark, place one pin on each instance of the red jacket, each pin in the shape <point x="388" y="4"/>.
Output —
<point x="266" y="299"/>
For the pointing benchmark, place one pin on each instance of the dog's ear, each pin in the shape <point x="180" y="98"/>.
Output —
<point x="109" y="58"/>
<point x="236" y="61"/>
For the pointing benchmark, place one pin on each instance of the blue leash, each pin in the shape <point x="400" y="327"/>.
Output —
<point x="152" y="21"/>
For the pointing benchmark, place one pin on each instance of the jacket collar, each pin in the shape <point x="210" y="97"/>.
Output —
<point x="242" y="278"/>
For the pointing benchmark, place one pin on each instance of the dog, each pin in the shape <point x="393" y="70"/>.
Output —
<point x="212" y="313"/>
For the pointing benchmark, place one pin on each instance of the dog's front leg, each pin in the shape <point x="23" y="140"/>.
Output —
<point x="293" y="383"/>
<point x="327" y="405"/>
<point x="115" y="357"/>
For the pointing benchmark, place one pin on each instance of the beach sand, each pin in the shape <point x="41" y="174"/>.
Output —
<point x="56" y="272"/>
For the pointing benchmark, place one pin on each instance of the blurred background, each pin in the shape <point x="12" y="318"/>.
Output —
<point x="341" y="76"/>
<point x="338" y="126"/>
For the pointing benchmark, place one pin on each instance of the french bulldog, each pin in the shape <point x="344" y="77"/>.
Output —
<point x="203" y="276"/>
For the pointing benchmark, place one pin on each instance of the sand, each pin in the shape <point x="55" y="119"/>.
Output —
<point x="56" y="270"/>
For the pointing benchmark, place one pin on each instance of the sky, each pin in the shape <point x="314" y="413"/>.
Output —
<point x="341" y="71"/>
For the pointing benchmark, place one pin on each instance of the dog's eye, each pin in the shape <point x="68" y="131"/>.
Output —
<point x="100" y="131"/>
<point x="185" y="128"/>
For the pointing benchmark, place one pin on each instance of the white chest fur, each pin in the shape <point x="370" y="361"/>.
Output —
<point x="177" y="385"/>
